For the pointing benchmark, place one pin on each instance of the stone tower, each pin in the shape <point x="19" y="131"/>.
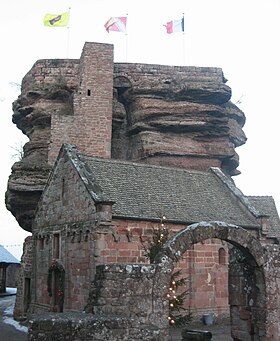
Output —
<point x="90" y="124"/>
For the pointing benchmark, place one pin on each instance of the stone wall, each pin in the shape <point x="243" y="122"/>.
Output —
<point x="90" y="126"/>
<point x="127" y="298"/>
<point x="132" y="290"/>
<point x="84" y="245"/>
<point x="128" y="302"/>
<point x="88" y="327"/>
<point x="23" y="297"/>
<point x="207" y="274"/>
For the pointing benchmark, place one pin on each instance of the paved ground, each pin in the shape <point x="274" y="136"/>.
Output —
<point x="10" y="330"/>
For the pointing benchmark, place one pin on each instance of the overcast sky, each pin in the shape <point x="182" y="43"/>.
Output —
<point x="240" y="36"/>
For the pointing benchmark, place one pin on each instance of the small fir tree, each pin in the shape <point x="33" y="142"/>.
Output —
<point x="178" y="315"/>
<point x="160" y="236"/>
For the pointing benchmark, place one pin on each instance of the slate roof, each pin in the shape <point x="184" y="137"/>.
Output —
<point x="142" y="191"/>
<point x="7" y="257"/>
<point x="146" y="192"/>
<point x="266" y="206"/>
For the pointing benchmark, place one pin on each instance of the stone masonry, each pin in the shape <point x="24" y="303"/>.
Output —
<point x="112" y="148"/>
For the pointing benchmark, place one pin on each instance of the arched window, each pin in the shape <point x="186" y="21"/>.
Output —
<point x="222" y="256"/>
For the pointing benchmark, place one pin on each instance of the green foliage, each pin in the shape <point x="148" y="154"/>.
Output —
<point x="154" y="246"/>
<point x="178" y="314"/>
<point x="59" y="270"/>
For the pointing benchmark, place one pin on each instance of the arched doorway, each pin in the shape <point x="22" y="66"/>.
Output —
<point x="248" y="282"/>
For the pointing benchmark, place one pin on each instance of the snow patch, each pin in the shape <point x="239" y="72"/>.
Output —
<point x="8" y="318"/>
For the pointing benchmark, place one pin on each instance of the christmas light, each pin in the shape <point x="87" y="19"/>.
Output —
<point x="175" y="303"/>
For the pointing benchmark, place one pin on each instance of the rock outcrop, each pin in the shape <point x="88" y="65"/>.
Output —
<point x="165" y="115"/>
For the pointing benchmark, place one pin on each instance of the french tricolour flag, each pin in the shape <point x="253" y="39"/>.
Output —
<point x="175" y="26"/>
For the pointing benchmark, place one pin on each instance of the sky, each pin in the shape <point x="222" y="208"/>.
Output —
<point x="239" y="36"/>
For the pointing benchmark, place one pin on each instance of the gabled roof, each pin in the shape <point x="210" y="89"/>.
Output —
<point x="142" y="191"/>
<point x="266" y="206"/>
<point x="7" y="257"/>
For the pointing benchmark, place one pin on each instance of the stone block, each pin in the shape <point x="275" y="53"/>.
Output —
<point x="196" y="335"/>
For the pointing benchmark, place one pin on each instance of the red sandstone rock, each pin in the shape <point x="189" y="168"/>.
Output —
<point x="167" y="115"/>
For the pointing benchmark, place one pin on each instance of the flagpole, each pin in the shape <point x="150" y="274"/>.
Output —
<point x="126" y="41"/>
<point x="68" y="36"/>
<point x="183" y="35"/>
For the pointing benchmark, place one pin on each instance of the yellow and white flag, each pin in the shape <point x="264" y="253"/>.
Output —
<point x="54" y="20"/>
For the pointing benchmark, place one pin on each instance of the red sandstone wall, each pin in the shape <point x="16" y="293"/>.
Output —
<point x="82" y="248"/>
<point x="208" y="278"/>
<point x="91" y="126"/>
<point x="207" y="274"/>
<point x="77" y="257"/>
<point x="67" y="210"/>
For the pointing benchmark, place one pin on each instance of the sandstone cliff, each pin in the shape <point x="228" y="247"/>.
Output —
<point x="166" y="115"/>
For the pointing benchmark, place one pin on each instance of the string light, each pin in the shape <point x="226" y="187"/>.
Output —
<point x="175" y="303"/>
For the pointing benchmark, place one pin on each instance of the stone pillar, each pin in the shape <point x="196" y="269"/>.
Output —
<point x="131" y="290"/>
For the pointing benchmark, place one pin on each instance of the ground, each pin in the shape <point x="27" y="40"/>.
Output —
<point x="12" y="330"/>
<point x="220" y="331"/>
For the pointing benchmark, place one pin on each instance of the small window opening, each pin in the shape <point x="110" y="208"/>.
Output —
<point x="88" y="92"/>
<point x="63" y="188"/>
<point x="222" y="256"/>
<point x="56" y="245"/>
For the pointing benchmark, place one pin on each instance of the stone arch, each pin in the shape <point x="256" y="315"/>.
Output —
<point x="178" y="244"/>
<point x="121" y="83"/>
<point x="247" y="282"/>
